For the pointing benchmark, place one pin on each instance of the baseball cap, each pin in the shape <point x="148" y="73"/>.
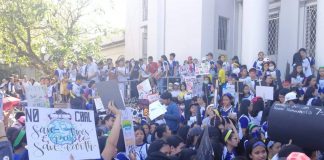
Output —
<point x="290" y="96"/>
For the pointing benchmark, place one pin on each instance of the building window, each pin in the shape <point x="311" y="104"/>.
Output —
<point x="145" y="9"/>
<point x="222" y="32"/>
<point x="273" y="34"/>
<point x="144" y="43"/>
<point x="311" y="16"/>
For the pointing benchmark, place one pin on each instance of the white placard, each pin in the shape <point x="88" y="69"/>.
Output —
<point x="153" y="97"/>
<point x="128" y="129"/>
<point x="144" y="89"/>
<point x="37" y="96"/>
<point x="99" y="104"/>
<point x="265" y="92"/>
<point x="155" y="110"/>
<point x="54" y="134"/>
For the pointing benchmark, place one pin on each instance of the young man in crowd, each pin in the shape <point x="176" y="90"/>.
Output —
<point x="77" y="99"/>
<point x="91" y="70"/>
<point x="172" y="116"/>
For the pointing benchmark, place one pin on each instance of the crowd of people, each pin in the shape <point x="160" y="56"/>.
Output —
<point x="236" y="122"/>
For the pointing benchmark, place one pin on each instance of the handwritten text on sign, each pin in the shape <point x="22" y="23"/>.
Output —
<point x="58" y="133"/>
<point x="37" y="96"/>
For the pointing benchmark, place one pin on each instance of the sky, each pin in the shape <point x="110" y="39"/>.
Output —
<point x="109" y="13"/>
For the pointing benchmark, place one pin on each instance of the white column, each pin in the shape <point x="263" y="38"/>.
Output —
<point x="320" y="34"/>
<point x="255" y="29"/>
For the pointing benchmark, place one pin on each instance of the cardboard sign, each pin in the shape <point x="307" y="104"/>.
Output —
<point x="37" y="96"/>
<point x="144" y="89"/>
<point x="265" y="92"/>
<point x="189" y="80"/>
<point x="54" y="134"/>
<point x="197" y="89"/>
<point x="155" y="110"/>
<point x="153" y="97"/>
<point x="202" y="69"/>
<point x="99" y="104"/>
<point x="109" y="91"/>
<point x="302" y="124"/>
<point x="128" y="129"/>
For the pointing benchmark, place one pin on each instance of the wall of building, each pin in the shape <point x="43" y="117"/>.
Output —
<point x="113" y="52"/>
<point x="132" y="30"/>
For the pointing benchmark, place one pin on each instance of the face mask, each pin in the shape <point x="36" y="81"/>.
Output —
<point x="206" y="82"/>
<point x="182" y="106"/>
<point x="271" y="68"/>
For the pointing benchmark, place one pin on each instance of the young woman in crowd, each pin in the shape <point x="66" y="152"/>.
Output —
<point x="244" y="119"/>
<point x="193" y="114"/>
<point x="246" y="95"/>
<point x="147" y="132"/>
<point x="258" y="64"/>
<point x="320" y="80"/>
<point x="227" y="109"/>
<point x="207" y="89"/>
<point x="256" y="150"/>
<point x="297" y="79"/>
<point x="230" y="140"/>
<point x="141" y="146"/>
<point x="275" y="74"/>
<point x="257" y="110"/>
<point x="243" y="74"/>
<point x="273" y="148"/>
<point x="265" y="69"/>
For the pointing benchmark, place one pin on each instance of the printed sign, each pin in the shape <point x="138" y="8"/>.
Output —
<point x="54" y="134"/>
<point x="153" y="97"/>
<point x="197" y="89"/>
<point x="190" y="80"/>
<point x="155" y="110"/>
<point x="202" y="69"/>
<point x="37" y="96"/>
<point x="99" y="105"/>
<point x="128" y="129"/>
<point x="144" y="89"/>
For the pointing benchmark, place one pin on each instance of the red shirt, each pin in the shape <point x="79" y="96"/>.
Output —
<point x="152" y="67"/>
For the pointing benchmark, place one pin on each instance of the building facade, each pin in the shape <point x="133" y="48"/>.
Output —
<point x="232" y="27"/>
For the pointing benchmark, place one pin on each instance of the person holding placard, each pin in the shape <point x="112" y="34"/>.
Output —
<point x="172" y="116"/>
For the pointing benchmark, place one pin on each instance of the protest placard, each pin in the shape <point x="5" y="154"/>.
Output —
<point x="155" y="110"/>
<point x="99" y="104"/>
<point x="54" y="134"/>
<point x="128" y="129"/>
<point x="265" y="92"/>
<point x="37" y="96"/>
<point x="189" y="80"/>
<point x="197" y="88"/>
<point x="109" y="91"/>
<point x="144" y="89"/>
<point x="202" y="69"/>
<point x="153" y="97"/>
<point x="300" y="123"/>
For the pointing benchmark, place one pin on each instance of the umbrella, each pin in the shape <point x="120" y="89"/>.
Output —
<point x="10" y="102"/>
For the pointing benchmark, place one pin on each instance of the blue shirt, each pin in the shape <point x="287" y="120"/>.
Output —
<point x="172" y="117"/>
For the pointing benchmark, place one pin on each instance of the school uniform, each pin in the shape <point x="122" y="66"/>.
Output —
<point x="243" y="122"/>
<point x="76" y="101"/>
<point x="141" y="151"/>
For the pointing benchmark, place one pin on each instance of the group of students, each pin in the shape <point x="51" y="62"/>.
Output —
<point x="236" y="122"/>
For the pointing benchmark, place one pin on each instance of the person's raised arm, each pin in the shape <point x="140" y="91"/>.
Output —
<point x="111" y="143"/>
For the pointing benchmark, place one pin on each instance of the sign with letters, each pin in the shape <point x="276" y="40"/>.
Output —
<point x="128" y="129"/>
<point x="54" y="134"/>
<point x="37" y="96"/>
<point x="190" y="80"/>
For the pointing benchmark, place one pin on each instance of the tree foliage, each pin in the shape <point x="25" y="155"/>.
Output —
<point x="40" y="33"/>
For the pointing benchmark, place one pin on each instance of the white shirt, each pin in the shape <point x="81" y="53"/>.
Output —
<point x="307" y="67"/>
<point x="50" y="91"/>
<point x="92" y="69"/>
<point x="76" y="89"/>
<point x="141" y="151"/>
<point x="175" y="93"/>
<point x="60" y="73"/>
<point x="73" y="74"/>
<point x="124" y="70"/>
<point x="256" y="120"/>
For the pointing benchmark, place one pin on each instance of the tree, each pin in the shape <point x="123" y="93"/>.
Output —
<point x="40" y="33"/>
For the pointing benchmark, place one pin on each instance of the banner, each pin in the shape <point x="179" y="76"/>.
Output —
<point x="155" y="110"/>
<point x="109" y="91"/>
<point x="189" y="80"/>
<point x="54" y="134"/>
<point x="299" y="123"/>
<point x="144" y="89"/>
<point x="37" y="96"/>
<point x="202" y="69"/>
<point x="128" y="129"/>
